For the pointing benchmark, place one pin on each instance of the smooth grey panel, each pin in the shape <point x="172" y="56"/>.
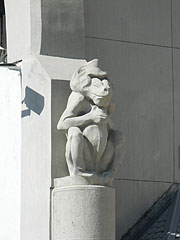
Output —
<point x="177" y="113"/>
<point x="142" y="79"/>
<point x="62" y="28"/>
<point x="147" y="21"/>
<point x="176" y="23"/>
<point x="133" y="199"/>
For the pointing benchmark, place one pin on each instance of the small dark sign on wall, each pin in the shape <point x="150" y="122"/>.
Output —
<point x="34" y="102"/>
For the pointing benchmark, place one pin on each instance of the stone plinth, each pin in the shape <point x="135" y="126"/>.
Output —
<point x="83" y="212"/>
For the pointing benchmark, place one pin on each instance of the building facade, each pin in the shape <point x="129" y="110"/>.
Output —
<point x="138" y="44"/>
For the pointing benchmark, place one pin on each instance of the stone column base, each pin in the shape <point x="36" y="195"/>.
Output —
<point x="83" y="212"/>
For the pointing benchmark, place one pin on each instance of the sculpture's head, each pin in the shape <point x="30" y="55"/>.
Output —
<point x="92" y="82"/>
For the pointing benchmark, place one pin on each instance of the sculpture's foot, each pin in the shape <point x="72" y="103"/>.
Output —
<point x="81" y="173"/>
<point x="108" y="178"/>
<point x="90" y="176"/>
<point x="105" y="178"/>
<point x="84" y="174"/>
<point x="70" y="181"/>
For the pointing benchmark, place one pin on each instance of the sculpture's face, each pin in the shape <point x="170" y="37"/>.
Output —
<point x="99" y="91"/>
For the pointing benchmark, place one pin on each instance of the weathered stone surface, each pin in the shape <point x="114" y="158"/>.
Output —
<point x="83" y="212"/>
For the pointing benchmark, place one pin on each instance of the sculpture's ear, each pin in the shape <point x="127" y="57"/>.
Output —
<point x="92" y="69"/>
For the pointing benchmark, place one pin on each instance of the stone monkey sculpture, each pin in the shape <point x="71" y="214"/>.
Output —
<point x="93" y="149"/>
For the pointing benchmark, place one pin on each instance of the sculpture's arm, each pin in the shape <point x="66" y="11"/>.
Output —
<point x="71" y="121"/>
<point x="77" y="103"/>
<point x="70" y="116"/>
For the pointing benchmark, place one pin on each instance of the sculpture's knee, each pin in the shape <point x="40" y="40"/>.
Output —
<point x="74" y="132"/>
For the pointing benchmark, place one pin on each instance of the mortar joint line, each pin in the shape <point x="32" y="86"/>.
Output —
<point x="133" y="42"/>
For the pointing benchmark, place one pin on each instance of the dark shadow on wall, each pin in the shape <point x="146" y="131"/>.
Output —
<point x="60" y="92"/>
<point x="34" y="102"/>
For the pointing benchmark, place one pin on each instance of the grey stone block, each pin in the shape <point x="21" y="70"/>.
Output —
<point x="176" y="23"/>
<point x="83" y="212"/>
<point x="142" y="79"/>
<point x="62" y="28"/>
<point x="177" y="114"/>
<point x="133" y="199"/>
<point x="138" y="21"/>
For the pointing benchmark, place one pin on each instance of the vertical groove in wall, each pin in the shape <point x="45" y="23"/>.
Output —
<point x="172" y="56"/>
<point x="50" y="215"/>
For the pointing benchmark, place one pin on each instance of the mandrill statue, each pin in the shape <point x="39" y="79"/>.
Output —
<point x="93" y="149"/>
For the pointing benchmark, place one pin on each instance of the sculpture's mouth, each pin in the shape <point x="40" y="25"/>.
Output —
<point x="101" y="100"/>
<point x="100" y="96"/>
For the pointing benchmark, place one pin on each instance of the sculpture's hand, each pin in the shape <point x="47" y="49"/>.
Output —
<point x="98" y="115"/>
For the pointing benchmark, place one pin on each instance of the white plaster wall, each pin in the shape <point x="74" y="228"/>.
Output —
<point x="36" y="154"/>
<point x="18" y="29"/>
<point x="10" y="160"/>
<point x="37" y="157"/>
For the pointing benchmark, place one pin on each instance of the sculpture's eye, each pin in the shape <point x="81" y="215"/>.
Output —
<point x="81" y="69"/>
<point x="96" y="82"/>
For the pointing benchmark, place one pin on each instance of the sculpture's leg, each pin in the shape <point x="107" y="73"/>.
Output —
<point x="107" y="157"/>
<point x="74" y="151"/>
<point x="68" y="156"/>
<point x="113" y="155"/>
<point x="89" y="156"/>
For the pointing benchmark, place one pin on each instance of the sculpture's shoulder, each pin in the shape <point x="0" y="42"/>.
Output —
<point x="76" y="98"/>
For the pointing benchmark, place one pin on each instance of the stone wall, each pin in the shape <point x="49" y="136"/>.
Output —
<point x="138" y="44"/>
<point x="10" y="153"/>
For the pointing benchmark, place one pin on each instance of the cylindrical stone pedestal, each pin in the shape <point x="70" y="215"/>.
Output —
<point x="83" y="212"/>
